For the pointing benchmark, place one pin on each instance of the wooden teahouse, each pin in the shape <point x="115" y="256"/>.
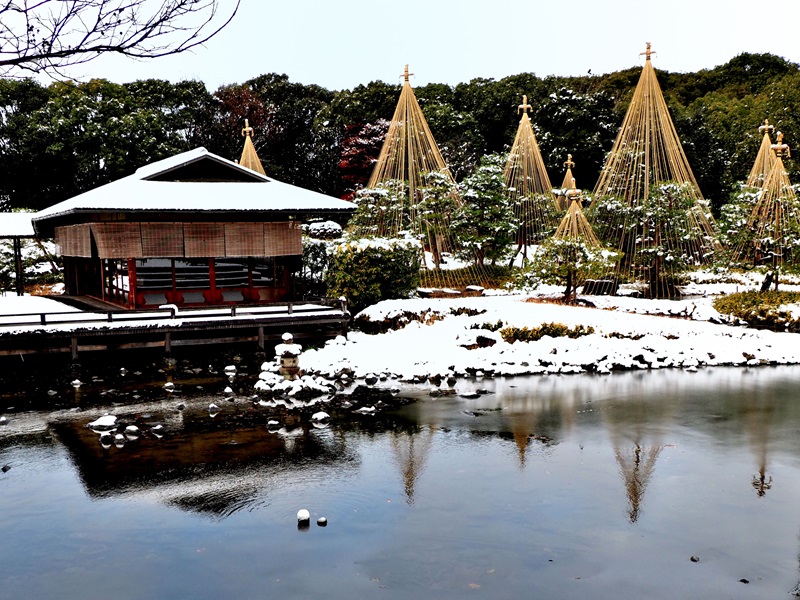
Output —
<point x="191" y="230"/>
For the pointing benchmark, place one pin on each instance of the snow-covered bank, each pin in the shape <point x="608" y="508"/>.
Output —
<point x="439" y="339"/>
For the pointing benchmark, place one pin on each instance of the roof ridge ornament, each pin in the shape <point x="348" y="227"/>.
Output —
<point x="524" y="107"/>
<point x="247" y="131"/>
<point x="568" y="163"/>
<point x="647" y="53"/>
<point x="766" y="128"/>
<point x="781" y="150"/>
<point x="406" y="74"/>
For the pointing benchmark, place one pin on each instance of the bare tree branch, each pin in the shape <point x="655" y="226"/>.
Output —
<point x="46" y="36"/>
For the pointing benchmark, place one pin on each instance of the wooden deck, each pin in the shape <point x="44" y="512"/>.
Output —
<point x="168" y="327"/>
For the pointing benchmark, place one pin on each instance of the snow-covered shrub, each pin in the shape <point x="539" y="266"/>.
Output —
<point x="323" y="230"/>
<point x="368" y="270"/>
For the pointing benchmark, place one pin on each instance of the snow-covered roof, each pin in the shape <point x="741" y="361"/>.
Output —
<point x="159" y="187"/>
<point x="16" y="225"/>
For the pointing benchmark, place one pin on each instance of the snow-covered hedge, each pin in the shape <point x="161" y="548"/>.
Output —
<point x="368" y="270"/>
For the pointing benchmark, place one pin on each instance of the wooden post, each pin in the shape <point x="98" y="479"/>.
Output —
<point x="131" y="283"/>
<point x="74" y="348"/>
<point x="168" y="343"/>
<point x="261" y="339"/>
<point x="19" y="279"/>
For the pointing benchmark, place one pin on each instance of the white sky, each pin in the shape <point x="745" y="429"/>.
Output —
<point x="339" y="44"/>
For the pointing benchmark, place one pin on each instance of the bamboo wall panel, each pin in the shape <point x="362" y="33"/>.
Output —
<point x="117" y="240"/>
<point x="162" y="240"/>
<point x="282" y="239"/>
<point x="244" y="239"/>
<point x="204" y="239"/>
<point x="74" y="240"/>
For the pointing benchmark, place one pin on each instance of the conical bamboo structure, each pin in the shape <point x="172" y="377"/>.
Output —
<point x="249" y="156"/>
<point x="764" y="159"/>
<point x="574" y="225"/>
<point x="775" y="219"/>
<point x="530" y="191"/>
<point x="648" y="152"/>
<point x="410" y="158"/>
<point x="569" y="179"/>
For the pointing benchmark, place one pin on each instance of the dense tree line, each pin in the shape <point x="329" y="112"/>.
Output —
<point x="59" y="140"/>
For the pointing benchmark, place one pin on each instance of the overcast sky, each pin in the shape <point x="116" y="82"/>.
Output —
<point x="339" y="44"/>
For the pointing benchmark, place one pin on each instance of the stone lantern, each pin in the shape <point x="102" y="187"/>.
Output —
<point x="287" y="353"/>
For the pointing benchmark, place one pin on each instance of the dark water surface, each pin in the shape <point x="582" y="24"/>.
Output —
<point x="553" y="487"/>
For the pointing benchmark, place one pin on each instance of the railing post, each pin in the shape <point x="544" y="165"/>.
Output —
<point x="43" y="318"/>
<point x="110" y="316"/>
<point x="290" y="307"/>
<point x="233" y="311"/>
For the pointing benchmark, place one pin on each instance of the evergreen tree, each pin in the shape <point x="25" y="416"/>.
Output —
<point x="568" y="262"/>
<point x="485" y="223"/>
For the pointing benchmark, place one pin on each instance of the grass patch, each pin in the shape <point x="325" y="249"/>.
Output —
<point x="761" y="310"/>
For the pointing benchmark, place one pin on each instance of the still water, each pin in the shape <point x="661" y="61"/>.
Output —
<point x="650" y="485"/>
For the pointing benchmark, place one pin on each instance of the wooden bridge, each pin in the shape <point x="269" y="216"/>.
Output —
<point x="167" y="327"/>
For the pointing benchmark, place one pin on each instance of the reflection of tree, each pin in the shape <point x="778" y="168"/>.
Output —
<point x="637" y="466"/>
<point x="761" y="482"/>
<point x="757" y="419"/>
<point x="411" y="450"/>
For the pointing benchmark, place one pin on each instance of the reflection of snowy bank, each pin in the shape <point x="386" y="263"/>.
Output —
<point x="438" y="337"/>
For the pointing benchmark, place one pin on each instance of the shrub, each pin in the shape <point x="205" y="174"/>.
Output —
<point x="368" y="270"/>
<point x="488" y="326"/>
<point x="524" y="334"/>
<point x="762" y="310"/>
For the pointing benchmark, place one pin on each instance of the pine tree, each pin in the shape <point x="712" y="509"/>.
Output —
<point x="485" y="224"/>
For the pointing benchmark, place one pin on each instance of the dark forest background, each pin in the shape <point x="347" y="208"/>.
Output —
<point x="59" y="140"/>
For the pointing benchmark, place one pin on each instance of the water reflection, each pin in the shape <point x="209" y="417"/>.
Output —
<point x="757" y="417"/>
<point x="211" y="465"/>
<point x="411" y="450"/>
<point x="553" y="486"/>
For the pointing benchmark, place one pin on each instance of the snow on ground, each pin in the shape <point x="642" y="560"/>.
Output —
<point x="628" y="335"/>
<point x="11" y="304"/>
<point x="444" y="337"/>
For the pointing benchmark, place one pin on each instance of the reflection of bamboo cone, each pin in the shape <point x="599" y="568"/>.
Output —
<point x="637" y="469"/>
<point x="411" y="453"/>
<point x="637" y="463"/>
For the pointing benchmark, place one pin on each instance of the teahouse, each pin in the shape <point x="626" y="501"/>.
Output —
<point x="191" y="230"/>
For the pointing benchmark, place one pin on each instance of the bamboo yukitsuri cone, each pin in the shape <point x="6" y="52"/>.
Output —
<point x="647" y="203"/>
<point x="775" y="219"/>
<point x="410" y="163"/>
<point x="529" y="188"/>
<point x="764" y="159"/>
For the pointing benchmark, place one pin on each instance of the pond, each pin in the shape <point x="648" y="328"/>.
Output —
<point x="662" y="484"/>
